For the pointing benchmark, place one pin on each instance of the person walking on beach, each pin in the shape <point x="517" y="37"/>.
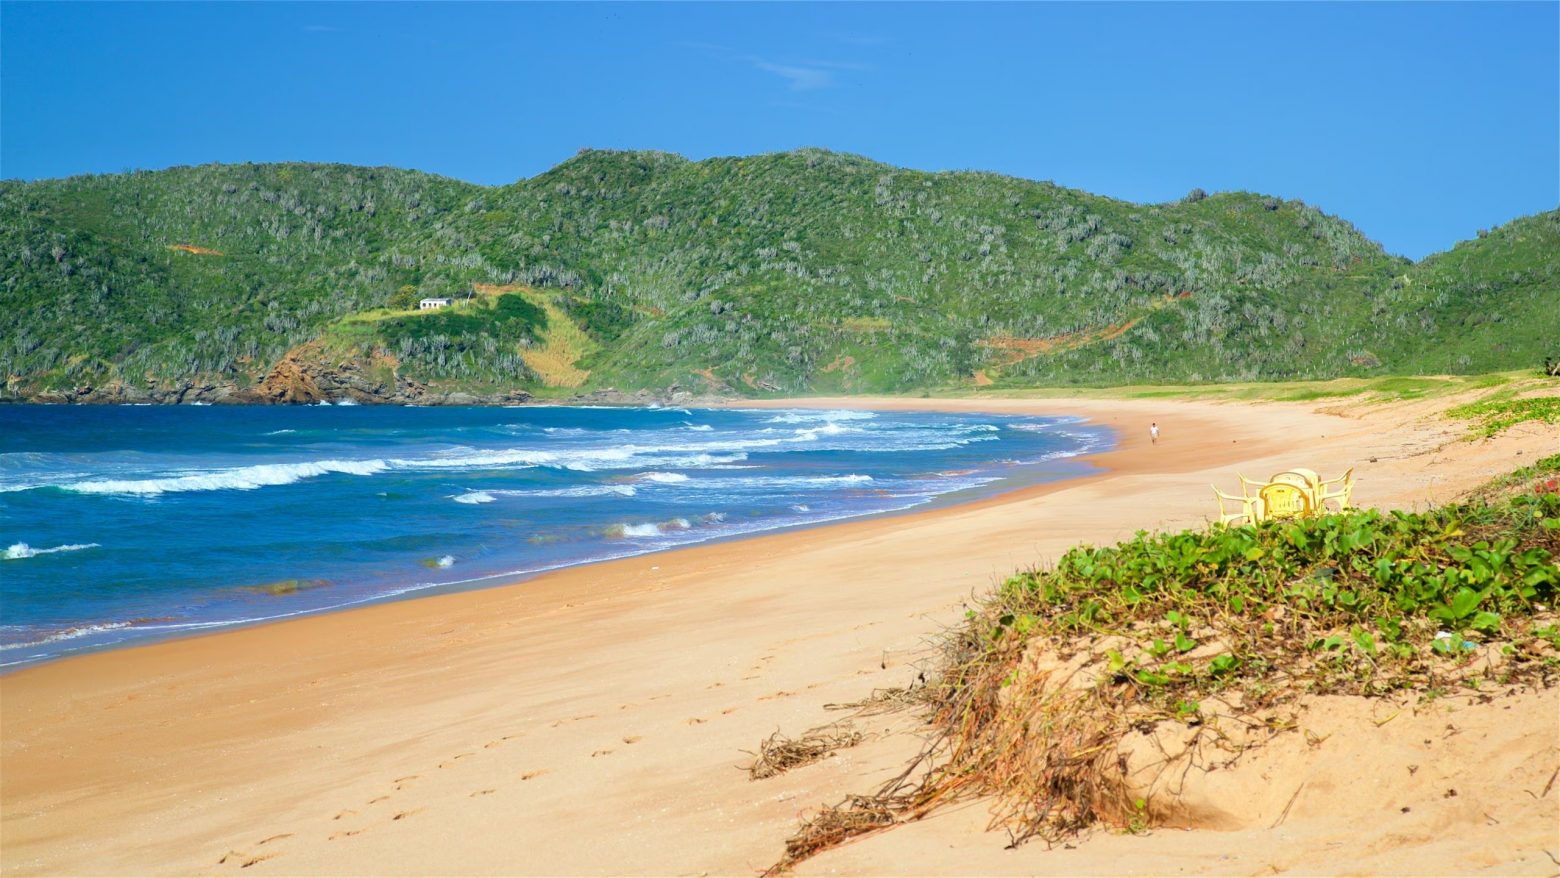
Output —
<point x="1153" y="433"/>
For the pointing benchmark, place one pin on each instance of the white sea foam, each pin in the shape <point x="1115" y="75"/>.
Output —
<point x="244" y="478"/>
<point x="280" y="432"/>
<point x="771" y="482"/>
<point x="662" y="478"/>
<point x="649" y="529"/>
<point x="17" y="551"/>
<point x="471" y="458"/>
<point x="700" y="428"/>
<point x="68" y="634"/>
<point x="828" y="428"/>
<point x="492" y="494"/>
<point x="807" y="416"/>
<point x="583" y="491"/>
<point x="446" y="561"/>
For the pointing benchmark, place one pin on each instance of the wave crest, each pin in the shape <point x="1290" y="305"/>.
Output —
<point x="244" y="478"/>
<point x="17" y="551"/>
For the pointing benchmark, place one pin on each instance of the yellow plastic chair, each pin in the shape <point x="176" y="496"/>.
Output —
<point x="1340" y="489"/>
<point x="1285" y="499"/>
<point x="1253" y="485"/>
<point x="1312" y="480"/>
<point x="1247" y="507"/>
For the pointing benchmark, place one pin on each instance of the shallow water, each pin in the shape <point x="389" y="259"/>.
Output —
<point x="127" y="523"/>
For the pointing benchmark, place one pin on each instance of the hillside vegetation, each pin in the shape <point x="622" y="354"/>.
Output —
<point x="802" y="271"/>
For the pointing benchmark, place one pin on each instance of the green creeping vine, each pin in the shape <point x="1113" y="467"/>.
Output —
<point x="1366" y="598"/>
<point x="1494" y="416"/>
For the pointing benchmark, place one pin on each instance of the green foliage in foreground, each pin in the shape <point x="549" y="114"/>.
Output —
<point x="800" y="271"/>
<point x="1493" y="416"/>
<point x="1355" y="599"/>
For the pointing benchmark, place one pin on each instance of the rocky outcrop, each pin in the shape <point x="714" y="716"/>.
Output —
<point x="305" y="376"/>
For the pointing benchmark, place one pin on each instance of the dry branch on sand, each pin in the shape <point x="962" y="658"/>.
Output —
<point x="778" y="754"/>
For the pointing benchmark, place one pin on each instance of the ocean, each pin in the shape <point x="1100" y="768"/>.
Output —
<point x="122" y="524"/>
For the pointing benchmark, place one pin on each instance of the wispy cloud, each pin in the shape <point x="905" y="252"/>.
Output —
<point x="806" y="74"/>
<point x="801" y="78"/>
<point x="800" y="74"/>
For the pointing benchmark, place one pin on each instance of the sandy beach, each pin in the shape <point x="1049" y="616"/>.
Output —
<point x="594" y="721"/>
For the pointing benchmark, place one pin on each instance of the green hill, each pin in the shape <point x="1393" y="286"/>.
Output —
<point x="802" y="271"/>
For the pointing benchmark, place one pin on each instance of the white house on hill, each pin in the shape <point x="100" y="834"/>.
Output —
<point x="430" y="304"/>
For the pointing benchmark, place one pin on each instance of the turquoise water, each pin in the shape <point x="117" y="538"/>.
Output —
<point x="125" y="523"/>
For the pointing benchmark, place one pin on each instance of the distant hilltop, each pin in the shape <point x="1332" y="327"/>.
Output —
<point x="630" y="273"/>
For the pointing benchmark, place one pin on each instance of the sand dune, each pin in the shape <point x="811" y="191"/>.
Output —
<point x="594" y="721"/>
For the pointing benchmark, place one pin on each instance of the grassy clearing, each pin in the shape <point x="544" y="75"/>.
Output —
<point x="563" y="345"/>
<point x="1216" y="634"/>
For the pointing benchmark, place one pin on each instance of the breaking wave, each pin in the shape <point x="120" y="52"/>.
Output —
<point x="649" y="529"/>
<point x="17" y="551"/>
<point x="244" y="478"/>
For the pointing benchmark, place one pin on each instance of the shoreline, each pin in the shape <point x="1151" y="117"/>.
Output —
<point x="512" y="717"/>
<point x="516" y="579"/>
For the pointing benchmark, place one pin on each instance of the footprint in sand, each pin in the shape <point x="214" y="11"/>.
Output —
<point x="347" y="813"/>
<point x="407" y="778"/>
<point x="274" y="838"/>
<point x="633" y="739"/>
<point x="247" y="859"/>
<point x="530" y="774"/>
<point x="379" y="798"/>
<point x="600" y="753"/>
<point x="728" y="711"/>
<point x="402" y="815"/>
<point x="482" y="793"/>
<point x="695" y="721"/>
<point x="345" y="834"/>
<point x="452" y="760"/>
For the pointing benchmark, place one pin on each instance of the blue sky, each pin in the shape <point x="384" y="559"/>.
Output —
<point x="1420" y="123"/>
